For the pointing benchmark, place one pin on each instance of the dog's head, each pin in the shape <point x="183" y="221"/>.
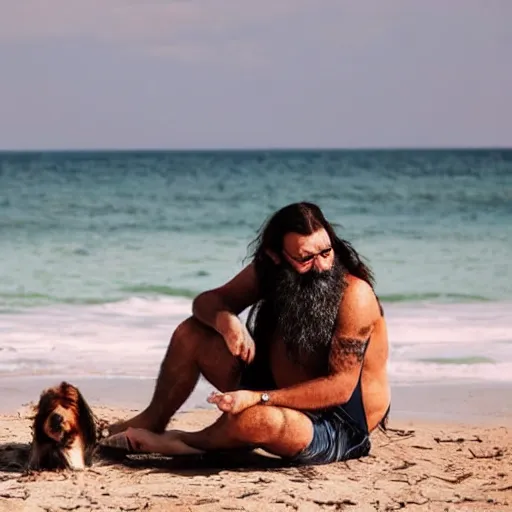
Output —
<point x="64" y="430"/>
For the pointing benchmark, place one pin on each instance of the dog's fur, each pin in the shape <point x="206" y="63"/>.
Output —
<point x="64" y="430"/>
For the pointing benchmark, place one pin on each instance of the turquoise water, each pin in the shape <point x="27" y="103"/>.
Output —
<point x="97" y="227"/>
<point x="124" y="240"/>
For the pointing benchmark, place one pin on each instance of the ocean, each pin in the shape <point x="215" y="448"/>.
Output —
<point x="101" y="253"/>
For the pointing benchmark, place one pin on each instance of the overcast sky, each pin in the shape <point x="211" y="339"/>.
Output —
<point x="255" y="73"/>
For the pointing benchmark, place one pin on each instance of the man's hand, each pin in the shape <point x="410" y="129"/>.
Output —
<point x="239" y="341"/>
<point x="234" y="402"/>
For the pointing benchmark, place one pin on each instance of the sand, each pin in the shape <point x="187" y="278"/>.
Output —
<point x="416" y="465"/>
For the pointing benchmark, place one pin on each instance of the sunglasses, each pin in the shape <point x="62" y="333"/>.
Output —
<point x="324" y="253"/>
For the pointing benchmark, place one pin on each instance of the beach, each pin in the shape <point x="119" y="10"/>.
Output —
<point x="102" y="253"/>
<point x="307" y="201"/>
<point x="414" y="465"/>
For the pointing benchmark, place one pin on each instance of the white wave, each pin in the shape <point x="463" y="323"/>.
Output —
<point x="409" y="372"/>
<point x="124" y="338"/>
<point x="155" y="307"/>
<point x="450" y="323"/>
<point x="129" y="338"/>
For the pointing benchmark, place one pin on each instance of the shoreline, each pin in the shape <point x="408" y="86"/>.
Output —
<point x="455" y="403"/>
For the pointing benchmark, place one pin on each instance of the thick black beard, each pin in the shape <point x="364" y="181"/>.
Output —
<point x="305" y="308"/>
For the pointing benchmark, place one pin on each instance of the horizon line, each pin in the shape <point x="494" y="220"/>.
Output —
<point x="252" y="149"/>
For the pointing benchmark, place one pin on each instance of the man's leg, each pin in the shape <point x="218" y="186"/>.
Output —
<point x="278" y="430"/>
<point x="194" y="349"/>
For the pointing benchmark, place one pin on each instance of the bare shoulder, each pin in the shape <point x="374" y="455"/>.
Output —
<point x="359" y="299"/>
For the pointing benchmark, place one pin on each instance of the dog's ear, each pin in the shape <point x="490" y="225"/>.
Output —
<point x="35" y="456"/>
<point x="42" y="410"/>
<point x="45" y="401"/>
<point x="86" y="422"/>
<point x="44" y="456"/>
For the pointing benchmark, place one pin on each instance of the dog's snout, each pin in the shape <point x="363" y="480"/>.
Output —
<point x="56" y="422"/>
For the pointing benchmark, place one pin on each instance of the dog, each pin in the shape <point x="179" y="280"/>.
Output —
<point x="64" y="433"/>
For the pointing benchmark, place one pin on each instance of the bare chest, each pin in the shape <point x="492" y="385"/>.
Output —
<point x="285" y="371"/>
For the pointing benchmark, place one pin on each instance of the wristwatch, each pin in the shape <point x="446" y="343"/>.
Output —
<point x="264" y="399"/>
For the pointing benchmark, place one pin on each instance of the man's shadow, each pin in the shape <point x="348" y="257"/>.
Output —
<point x="191" y="465"/>
<point x="14" y="459"/>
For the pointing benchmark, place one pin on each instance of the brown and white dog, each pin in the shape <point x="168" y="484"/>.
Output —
<point x="64" y="430"/>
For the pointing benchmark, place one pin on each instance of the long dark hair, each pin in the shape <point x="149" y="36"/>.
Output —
<point x="303" y="218"/>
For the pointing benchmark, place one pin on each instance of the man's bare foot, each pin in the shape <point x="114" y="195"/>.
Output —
<point x="167" y="443"/>
<point x="142" y="420"/>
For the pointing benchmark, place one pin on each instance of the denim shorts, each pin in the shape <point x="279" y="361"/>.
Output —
<point x="336" y="437"/>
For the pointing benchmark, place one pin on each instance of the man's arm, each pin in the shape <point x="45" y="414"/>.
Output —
<point x="359" y="312"/>
<point x="219" y="309"/>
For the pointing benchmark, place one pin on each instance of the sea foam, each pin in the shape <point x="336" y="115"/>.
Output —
<point x="129" y="338"/>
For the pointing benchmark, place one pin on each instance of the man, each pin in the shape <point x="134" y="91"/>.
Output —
<point x="306" y="380"/>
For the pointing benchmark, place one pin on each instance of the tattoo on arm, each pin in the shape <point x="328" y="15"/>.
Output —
<point x="347" y="352"/>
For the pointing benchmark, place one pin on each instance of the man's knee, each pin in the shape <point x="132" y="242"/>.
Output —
<point x="188" y="333"/>
<point x="195" y="340"/>
<point x="259" y="424"/>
